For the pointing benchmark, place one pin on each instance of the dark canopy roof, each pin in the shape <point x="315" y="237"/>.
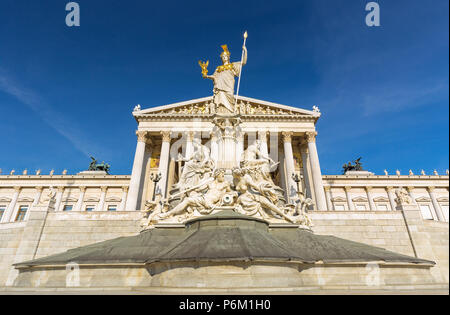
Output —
<point x="226" y="236"/>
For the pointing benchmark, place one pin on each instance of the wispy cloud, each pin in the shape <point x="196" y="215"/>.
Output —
<point x="65" y="127"/>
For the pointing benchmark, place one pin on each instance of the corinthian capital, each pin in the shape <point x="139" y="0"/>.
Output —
<point x="287" y="136"/>
<point x="141" y="136"/>
<point x="262" y="135"/>
<point x="310" y="136"/>
<point x="165" y="136"/>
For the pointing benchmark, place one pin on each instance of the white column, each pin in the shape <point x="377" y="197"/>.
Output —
<point x="189" y="146"/>
<point x="214" y="148"/>
<point x="37" y="198"/>
<point x="101" y="203"/>
<point x="307" y="174"/>
<point x="124" y="198"/>
<point x="59" y="195"/>
<point x="437" y="207"/>
<point x="80" y="199"/>
<point x="239" y="147"/>
<point x="136" y="173"/>
<point x="411" y="194"/>
<point x="262" y="136"/>
<point x="164" y="163"/>
<point x="351" y="207"/>
<point x="390" y="192"/>
<point x="315" y="169"/>
<point x="372" y="205"/>
<point x="290" y="168"/>
<point x="9" y="211"/>
<point x="328" y="196"/>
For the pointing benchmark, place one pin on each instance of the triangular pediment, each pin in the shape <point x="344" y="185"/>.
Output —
<point x="359" y="199"/>
<point x="246" y="106"/>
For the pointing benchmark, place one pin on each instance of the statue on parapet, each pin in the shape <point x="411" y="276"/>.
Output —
<point x="349" y="167"/>
<point x="94" y="166"/>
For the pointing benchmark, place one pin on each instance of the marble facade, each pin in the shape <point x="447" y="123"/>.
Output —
<point x="96" y="207"/>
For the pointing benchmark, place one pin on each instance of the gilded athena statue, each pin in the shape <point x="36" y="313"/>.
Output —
<point x="223" y="79"/>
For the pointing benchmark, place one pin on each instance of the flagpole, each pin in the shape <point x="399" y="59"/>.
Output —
<point x="240" y="72"/>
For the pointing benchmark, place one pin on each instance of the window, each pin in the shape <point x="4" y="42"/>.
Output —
<point x="21" y="213"/>
<point x="339" y="207"/>
<point x="67" y="208"/>
<point x="3" y="209"/>
<point x="426" y="212"/>
<point x="90" y="208"/>
<point x="382" y="207"/>
<point x="112" y="208"/>
<point x="361" y="207"/>
<point x="443" y="207"/>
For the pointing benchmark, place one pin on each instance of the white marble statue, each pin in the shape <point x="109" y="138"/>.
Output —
<point x="203" y="198"/>
<point x="152" y="210"/>
<point x="422" y="172"/>
<point x="259" y="197"/>
<point x="252" y="157"/>
<point x="386" y="173"/>
<point x="198" y="167"/>
<point x="403" y="198"/>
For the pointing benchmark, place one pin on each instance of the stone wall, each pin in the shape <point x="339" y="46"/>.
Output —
<point x="49" y="232"/>
<point x="64" y="231"/>
<point x="10" y="237"/>
<point x="439" y="239"/>
<point x="427" y="239"/>
<point x="381" y="229"/>
<point x="46" y="233"/>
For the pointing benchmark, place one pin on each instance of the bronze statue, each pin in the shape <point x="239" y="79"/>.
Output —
<point x="94" y="166"/>
<point x="350" y="167"/>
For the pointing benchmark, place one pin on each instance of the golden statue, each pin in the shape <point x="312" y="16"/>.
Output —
<point x="223" y="79"/>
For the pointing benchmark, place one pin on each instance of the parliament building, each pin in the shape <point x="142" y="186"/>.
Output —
<point x="267" y="221"/>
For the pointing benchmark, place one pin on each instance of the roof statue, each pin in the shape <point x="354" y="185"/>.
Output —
<point x="94" y="166"/>
<point x="353" y="167"/>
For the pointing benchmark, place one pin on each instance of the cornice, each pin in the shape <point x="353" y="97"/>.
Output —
<point x="208" y="117"/>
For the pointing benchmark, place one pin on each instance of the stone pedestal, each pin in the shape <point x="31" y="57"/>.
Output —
<point x="92" y="173"/>
<point x="227" y="128"/>
<point x="359" y="173"/>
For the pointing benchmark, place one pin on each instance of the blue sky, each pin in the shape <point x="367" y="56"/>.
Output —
<point x="67" y="93"/>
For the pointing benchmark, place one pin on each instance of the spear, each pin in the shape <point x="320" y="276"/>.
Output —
<point x="240" y="72"/>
